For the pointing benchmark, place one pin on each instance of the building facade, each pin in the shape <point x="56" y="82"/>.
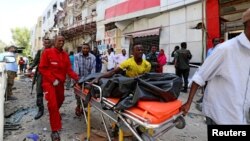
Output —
<point x="77" y="23"/>
<point x="166" y="24"/>
<point x="49" y="18"/>
<point x="36" y="37"/>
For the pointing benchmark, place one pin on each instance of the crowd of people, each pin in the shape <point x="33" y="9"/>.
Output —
<point x="226" y="98"/>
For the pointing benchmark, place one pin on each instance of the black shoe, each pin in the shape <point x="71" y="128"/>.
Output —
<point x="11" y="98"/>
<point x="55" y="136"/>
<point x="39" y="113"/>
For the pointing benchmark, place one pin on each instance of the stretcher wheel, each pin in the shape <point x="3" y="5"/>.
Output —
<point x="180" y="122"/>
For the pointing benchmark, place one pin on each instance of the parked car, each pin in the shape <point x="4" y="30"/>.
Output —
<point x="3" y="81"/>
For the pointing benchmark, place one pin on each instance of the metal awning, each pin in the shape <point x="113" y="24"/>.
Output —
<point x="144" y="33"/>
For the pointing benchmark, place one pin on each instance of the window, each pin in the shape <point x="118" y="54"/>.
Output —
<point x="61" y="4"/>
<point x="48" y="14"/>
<point x="54" y="7"/>
<point x="44" y="18"/>
<point x="79" y="17"/>
<point x="147" y="42"/>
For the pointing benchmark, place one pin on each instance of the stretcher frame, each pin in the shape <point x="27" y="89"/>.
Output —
<point x="126" y="118"/>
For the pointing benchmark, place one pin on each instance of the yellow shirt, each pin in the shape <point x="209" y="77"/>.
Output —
<point x="132" y="69"/>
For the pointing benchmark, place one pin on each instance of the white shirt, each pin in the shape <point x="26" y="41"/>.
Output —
<point x="119" y="58"/>
<point x="26" y="60"/>
<point x="227" y="70"/>
<point x="111" y="61"/>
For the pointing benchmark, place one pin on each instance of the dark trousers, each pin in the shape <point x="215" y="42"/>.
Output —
<point x="39" y="91"/>
<point x="183" y="73"/>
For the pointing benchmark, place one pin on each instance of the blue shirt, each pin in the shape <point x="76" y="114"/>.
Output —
<point x="71" y="59"/>
<point x="84" y="65"/>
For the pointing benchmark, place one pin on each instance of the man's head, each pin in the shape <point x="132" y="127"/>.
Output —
<point x="71" y="53"/>
<point x="184" y="45"/>
<point x="110" y="50"/>
<point x="12" y="49"/>
<point x="138" y="51"/>
<point x="85" y="49"/>
<point x="47" y="43"/>
<point x="59" y="42"/>
<point x="246" y="22"/>
<point x="176" y="47"/>
<point x="123" y="52"/>
<point x="216" y="41"/>
<point x="153" y="49"/>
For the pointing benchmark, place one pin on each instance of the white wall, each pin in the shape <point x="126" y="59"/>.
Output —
<point x="172" y="4"/>
<point x="182" y="23"/>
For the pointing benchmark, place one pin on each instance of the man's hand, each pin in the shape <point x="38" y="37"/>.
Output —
<point x="185" y="108"/>
<point x="77" y="85"/>
<point x="55" y="83"/>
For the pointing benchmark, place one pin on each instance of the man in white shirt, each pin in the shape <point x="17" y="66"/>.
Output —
<point x="119" y="58"/>
<point x="111" y="59"/>
<point x="227" y="70"/>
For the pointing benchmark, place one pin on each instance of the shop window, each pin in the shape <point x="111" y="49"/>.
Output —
<point x="147" y="42"/>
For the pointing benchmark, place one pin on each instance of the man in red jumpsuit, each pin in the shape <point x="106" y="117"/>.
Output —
<point x="54" y="66"/>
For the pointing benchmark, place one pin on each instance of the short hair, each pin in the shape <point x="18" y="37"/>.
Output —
<point x="86" y="44"/>
<point x="137" y="44"/>
<point x="183" y="45"/>
<point x="71" y="53"/>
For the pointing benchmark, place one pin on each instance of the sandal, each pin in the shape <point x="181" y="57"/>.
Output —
<point x="55" y="136"/>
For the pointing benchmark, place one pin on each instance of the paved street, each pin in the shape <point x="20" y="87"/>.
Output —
<point x="72" y="126"/>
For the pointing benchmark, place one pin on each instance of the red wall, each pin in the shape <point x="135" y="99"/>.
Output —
<point x="130" y="6"/>
<point x="213" y="21"/>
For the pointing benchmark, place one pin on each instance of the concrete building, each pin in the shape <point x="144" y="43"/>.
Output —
<point x="36" y="37"/>
<point x="121" y="23"/>
<point x="77" y="23"/>
<point x="49" y="18"/>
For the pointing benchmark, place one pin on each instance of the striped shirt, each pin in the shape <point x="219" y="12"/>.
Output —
<point x="84" y="65"/>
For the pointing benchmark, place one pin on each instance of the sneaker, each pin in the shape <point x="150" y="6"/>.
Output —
<point x="11" y="98"/>
<point x="55" y="136"/>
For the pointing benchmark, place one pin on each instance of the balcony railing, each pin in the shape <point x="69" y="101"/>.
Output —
<point x="86" y="20"/>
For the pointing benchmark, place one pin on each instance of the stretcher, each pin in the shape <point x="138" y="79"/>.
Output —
<point x="147" y="121"/>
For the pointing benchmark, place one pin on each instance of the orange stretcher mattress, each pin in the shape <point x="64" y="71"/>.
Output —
<point x="154" y="112"/>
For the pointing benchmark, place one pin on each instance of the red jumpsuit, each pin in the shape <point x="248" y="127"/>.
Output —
<point x="55" y="64"/>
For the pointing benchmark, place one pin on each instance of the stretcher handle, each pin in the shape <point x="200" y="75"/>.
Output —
<point x="100" y="89"/>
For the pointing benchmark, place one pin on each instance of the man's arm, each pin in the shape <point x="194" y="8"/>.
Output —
<point x="107" y="74"/>
<point x="185" y="108"/>
<point x="36" y="60"/>
<point x="44" y="67"/>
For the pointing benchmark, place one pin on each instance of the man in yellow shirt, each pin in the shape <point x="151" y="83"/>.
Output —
<point x="133" y="66"/>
